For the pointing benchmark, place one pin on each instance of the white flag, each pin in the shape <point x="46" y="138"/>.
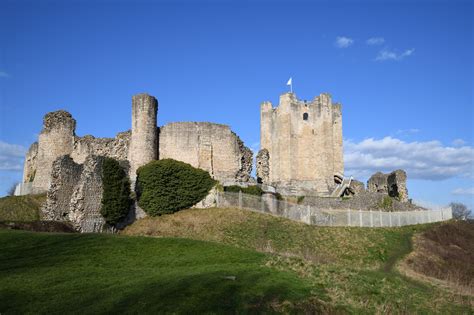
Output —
<point x="289" y="82"/>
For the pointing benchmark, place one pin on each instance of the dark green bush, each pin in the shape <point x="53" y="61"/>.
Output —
<point x="251" y="190"/>
<point x="167" y="186"/>
<point x="116" y="199"/>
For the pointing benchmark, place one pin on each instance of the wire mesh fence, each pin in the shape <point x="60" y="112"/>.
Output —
<point x="330" y="217"/>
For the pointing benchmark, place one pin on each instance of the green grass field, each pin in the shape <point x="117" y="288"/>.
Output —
<point x="62" y="273"/>
<point x="218" y="261"/>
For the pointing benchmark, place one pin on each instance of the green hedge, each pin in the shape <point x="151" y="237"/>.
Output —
<point x="251" y="190"/>
<point x="116" y="199"/>
<point x="167" y="186"/>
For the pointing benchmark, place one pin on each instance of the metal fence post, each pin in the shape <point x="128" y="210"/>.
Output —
<point x="390" y="218"/>
<point x="371" y="219"/>
<point x="399" y="221"/>
<point x="349" y="217"/>
<point x="262" y="204"/>
<point x="380" y="218"/>
<point x="240" y="199"/>
<point x="360" y="217"/>
<point x="217" y="198"/>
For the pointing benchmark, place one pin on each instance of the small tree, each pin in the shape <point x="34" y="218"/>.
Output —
<point x="167" y="186"/>
<point x="460" y="211"/>
<point x="116" y="199"/>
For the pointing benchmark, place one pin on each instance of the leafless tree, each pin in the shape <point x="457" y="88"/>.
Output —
<point x="460" y="211"/>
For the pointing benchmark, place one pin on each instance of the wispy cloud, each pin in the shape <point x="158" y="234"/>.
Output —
<point x="11" y="156"/>
<point x="459" y="142"/>
<point x="373" y="41"/>
<point x="421" y="160"/>
<point x="404" y="132"/>
<point x="386" y="54"/>
<point x="343" y="42"/>
<point x="4" y="74"/>
<point x="463" y="191"/>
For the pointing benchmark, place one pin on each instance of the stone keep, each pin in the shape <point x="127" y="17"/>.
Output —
<point x="303" y="143"/>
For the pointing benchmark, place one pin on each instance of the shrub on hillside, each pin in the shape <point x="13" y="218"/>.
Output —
<point x="167" y="186"/>
<point x="116" y="199"/>
<point x="251" y="190"/>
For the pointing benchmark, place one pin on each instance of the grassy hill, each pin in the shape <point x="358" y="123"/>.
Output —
<point x="21" y="208"/>
<point x="230" y="260"/>
<point x="356" y="267"/>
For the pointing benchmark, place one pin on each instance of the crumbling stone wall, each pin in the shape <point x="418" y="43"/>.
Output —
<point x="116" y="148"/>
<point x="396" y="183"/>
<point x="356" y="187"/>
<point x="211" y="147"/>
<point x="75" y="193"/>
<point x="65" y="176"/>
<point x="29" y="168"/>
<point x="304" y="141"/>
<point x="263" y="166"/>
<point x="378" y="183"/>
<point x="392" y="184"/>
<point x="56" y="139"/>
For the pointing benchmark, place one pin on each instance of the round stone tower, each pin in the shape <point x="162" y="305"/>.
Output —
<point x="55" y="140"/>
<point x="144" y="140"/>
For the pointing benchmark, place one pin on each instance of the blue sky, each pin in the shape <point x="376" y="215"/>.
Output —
<point x="403" y="71"/>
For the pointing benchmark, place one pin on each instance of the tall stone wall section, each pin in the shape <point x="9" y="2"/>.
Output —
<point x="144" y="138"/>
<point x="211" y="147"/>
<point x="304" y="143"/>
<point x="29" y="167"/>
<point x="56" y="139"/>
<point x="75" y="193"/>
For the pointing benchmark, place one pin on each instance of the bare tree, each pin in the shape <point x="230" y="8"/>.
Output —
<point x="11" y="190"/>
<point x="460" y="211"/>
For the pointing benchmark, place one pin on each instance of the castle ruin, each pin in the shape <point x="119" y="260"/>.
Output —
<point x="301" y="145"/>
<point x="212" y="147"/>
<point x="301" y="154"/>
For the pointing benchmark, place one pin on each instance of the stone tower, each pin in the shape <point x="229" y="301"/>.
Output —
<point x="302" y="145"/>
<point x="144" y="139"/>
<point x="56" y="139"/>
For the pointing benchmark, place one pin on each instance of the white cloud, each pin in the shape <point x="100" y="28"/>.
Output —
<point x="407" y="131"/>
<point x="343" y="42"/>
<point x="4" y="74"/>
<point x="463" y="191"/>
<point x="459" y="142"/>
<point x="11" y="156"/>
<point x="421" y="160"/>
<point x="375" y="41"/>
<point x="386" y="54"/>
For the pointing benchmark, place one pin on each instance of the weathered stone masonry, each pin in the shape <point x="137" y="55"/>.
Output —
<point x="212" y="147"/>
<point x="304" y="145"/>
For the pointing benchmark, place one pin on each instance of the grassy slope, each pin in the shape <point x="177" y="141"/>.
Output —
<point x="21" y="208"/>
<point x="60" y="273"/>
<point x="354" y="265"/>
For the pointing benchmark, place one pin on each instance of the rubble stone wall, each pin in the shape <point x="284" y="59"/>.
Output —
<point x="75" y="193"/>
